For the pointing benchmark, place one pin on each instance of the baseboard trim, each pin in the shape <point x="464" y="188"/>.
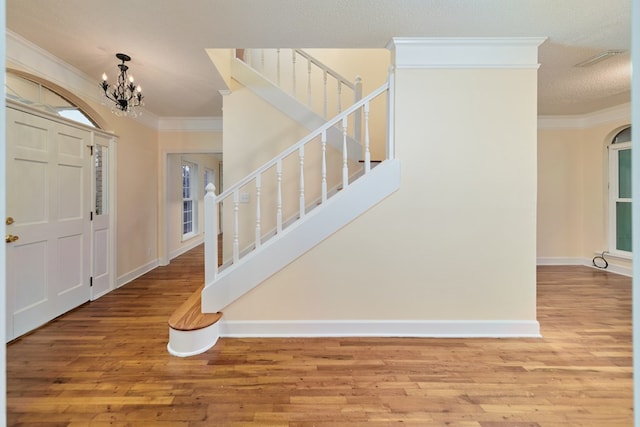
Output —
<point x="612" y="268"/>
<point x="616" y="269"/>
<point x="380" y="328"/>
<point x="134" y="274"/>
<point x="562" y="261"/>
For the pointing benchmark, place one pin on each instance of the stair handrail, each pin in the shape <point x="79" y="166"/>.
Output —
<point x="356" y="85"/>
<point x="337" y="119"/>
<point x="211" y="201"/>
<point x="343" y="80"/>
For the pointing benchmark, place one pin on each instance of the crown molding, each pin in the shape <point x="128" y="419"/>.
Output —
<point x="583" y="121"/>
<point x="190" y="124"/>
<point x="464" y="53"/>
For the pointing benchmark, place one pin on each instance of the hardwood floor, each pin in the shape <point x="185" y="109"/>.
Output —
<point x="106" y="364"/>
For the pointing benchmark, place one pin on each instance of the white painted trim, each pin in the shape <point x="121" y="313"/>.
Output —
<point x="612" y="268"/>
<point x="460" y="52"/>
<point x="613" y="114"/>
<point x="192" y="244"/>
<point x="562" y="261"/>
<point x="38" y="61"/>
<point x="134" y="274"/>
<point x="380" y="328"/>
<point x="190" y="124"/>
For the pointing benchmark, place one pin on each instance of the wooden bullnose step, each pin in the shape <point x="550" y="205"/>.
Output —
<point x="189" y="316"/>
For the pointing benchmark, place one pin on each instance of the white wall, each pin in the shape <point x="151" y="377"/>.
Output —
<point x="457" y="241"/>
<point x="573" y="177"/>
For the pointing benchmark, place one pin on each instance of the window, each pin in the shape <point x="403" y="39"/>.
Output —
<point x="620" y="193"/>
<point x="189" y="199"/>
<point x="27" y="92"/>
<point x="101" y="181"/>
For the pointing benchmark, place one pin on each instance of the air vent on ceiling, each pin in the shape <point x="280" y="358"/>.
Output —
<point x="599" y="58"/>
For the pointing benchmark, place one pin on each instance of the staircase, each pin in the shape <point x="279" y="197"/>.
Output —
<point x="305" y="90"/>
<point x="330" y="191"/>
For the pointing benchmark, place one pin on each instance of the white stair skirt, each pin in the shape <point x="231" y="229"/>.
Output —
<point x="303" y="235"/>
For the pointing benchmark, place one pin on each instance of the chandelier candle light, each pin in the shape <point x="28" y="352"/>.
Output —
<point x="125" y="94"/>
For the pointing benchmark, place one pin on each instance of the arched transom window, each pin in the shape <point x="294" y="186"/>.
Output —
<point x="31" y="93"/>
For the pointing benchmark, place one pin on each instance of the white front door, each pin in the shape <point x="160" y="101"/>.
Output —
<point x="48" y="206"/>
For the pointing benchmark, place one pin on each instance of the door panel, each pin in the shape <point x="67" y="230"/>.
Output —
<point x="48" y="196"/>
<point x="30" y="271"/>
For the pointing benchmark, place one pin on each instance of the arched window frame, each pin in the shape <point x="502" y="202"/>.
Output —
<point x="42" y="98"/>
<point x="620" y="194"/>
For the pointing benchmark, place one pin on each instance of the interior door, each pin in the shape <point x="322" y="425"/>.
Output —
<point x="48" y="228"/>
<point x="101" y="278"/>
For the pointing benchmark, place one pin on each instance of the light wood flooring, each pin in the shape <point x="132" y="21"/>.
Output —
<point x="106" y="364"/>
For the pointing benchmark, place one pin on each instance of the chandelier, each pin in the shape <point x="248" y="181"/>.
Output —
<point x="125" y="95"/>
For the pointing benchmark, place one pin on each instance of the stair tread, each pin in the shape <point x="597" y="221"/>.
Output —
<point x="189" y="316"/>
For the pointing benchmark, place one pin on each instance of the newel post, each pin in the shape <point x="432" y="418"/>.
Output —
<point x="210" y="235"/>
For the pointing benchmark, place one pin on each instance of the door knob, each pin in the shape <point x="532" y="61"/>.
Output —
<point x="10" y="238"/>
<point x="9" y="220"/>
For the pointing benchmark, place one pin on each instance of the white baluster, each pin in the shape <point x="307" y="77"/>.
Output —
<point x="324" y="166"/>
<point x="247" y="57"/>
<point x="258" y="217"/>
<point x="324" y="86"/>
<point x="301" y="156"/>
<point x="210" y="235"/>
<point x="345" y="168"/>
<point x="262" y="60"/>
<point x="236" y="233"/>
<point x="278" y="66"/>
<point x="339" y="97"/>
<point x="367" y="153"/>
<point x="357" y="96"/>
<point x="293" y="78"/>
<point x="279" y="199"/>
<point x="309" y="83"/>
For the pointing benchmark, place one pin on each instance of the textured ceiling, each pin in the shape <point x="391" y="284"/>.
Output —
<point x="167" y="39"/>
